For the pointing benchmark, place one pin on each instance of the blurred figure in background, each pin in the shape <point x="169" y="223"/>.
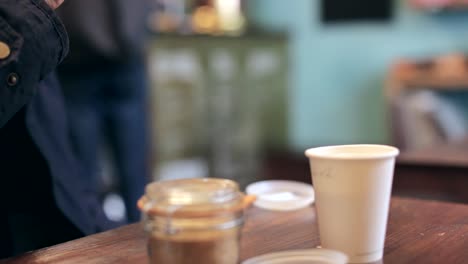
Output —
<point x="104" y="82"/>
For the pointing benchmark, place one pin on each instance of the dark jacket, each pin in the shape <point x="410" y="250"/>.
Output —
<point x="38" y="43"/>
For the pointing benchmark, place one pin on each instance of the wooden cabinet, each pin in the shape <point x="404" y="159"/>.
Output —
<point x="217" y="104"/>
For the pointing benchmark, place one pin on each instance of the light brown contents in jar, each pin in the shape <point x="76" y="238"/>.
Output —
<point x="209" y="247"/>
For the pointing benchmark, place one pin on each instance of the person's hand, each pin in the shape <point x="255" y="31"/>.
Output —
<point x="54" y="3"/>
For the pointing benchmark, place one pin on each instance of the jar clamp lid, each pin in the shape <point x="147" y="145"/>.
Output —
<point x="199" y="197"/>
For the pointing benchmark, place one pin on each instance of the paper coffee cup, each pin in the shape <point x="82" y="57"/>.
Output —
<point x="353" y="186"/>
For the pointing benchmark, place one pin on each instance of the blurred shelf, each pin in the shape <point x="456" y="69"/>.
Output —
<point x="449" y="72"/>
<point x="431" y="82"/>
<point x="444" y="73"/>
<point x="453" y="155"/>
<point x="433" y="6"/>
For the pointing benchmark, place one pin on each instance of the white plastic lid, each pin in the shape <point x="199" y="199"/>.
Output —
<point x="280" y="195"/>
<point x="307" y="256"/>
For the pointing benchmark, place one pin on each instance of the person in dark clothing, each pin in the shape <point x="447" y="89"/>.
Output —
<point x="43" y="199"/>
<point x="104" y="83"/>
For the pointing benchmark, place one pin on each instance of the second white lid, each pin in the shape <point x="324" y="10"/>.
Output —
<point x="307" y="256"/>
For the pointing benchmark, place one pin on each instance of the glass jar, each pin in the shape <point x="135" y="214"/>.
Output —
<point x="193" y="220"/>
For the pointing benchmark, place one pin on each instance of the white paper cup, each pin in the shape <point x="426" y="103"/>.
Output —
<point x="353" y="186"/>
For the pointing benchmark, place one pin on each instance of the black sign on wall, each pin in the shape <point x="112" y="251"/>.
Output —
<point x="356" y="10"/>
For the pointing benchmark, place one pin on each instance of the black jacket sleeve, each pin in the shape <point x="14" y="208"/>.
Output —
<point x="32" y="42"/>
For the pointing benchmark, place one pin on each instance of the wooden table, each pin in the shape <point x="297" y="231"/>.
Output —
<point x="418" y="232"/>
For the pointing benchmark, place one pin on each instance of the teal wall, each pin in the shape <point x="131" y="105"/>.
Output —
<point x="337" y="71"/>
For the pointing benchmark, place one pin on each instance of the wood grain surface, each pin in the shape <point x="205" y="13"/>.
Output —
<point x="418" y="232"/>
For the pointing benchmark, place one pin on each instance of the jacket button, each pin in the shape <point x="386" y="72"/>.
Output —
<point x="12" y="79"/>
<point x="4" y="50"/>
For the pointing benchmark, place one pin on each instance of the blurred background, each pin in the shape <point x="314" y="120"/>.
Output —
<point x="239" y="89"/>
